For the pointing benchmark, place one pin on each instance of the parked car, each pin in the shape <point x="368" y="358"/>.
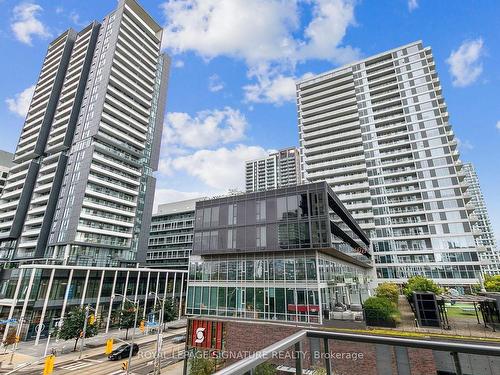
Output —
<point x="123" y="351"/>
<point x="178" y="339"/>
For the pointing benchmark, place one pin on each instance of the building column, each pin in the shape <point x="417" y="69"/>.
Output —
<point x="44" y="309"/>
<point x="157" y="283"/>
<point x="125" y="289"/>
<point x="180" y="297"/>
<point x="85" y="287"/>
<point x="146" y="296"/>
<point x="26" y="300"/>
<point x="66" y="294"/>
<point x="14" y="301"/>
<point x="137" y="286"/>
<point x="173" y="287"/>
<point x="111" y="301"/>
<point x="166" y="286"/>
<point x="99" y="294"/>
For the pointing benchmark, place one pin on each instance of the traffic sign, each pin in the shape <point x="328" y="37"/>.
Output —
<point x="8" y="321"/>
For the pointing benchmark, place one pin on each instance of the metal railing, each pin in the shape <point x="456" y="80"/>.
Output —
<point x="249" y="364"/>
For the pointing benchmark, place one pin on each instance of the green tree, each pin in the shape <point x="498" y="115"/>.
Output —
<point x="72" y="326"/>
<point x="126" y="317"/>
<point x="420" y="284"/>
<point x="389" y="291"/>
<point x="492" y="283"/>
<point x="170" y="310"/>
<point x="265" y="369"/>
<point x="200" y="365"/>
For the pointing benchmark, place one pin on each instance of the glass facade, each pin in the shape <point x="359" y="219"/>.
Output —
<point x="276" y="286"/>
<point x="286" y="254"/>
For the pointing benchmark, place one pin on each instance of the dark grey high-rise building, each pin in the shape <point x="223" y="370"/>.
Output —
<point x="81" y="188"/>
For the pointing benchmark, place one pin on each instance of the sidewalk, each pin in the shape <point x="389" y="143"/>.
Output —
<point x="27" y="352"/>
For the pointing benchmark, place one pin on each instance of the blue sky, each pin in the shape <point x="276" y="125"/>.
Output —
<point x="231" y="93"/>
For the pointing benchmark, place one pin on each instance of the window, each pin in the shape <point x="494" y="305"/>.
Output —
<point x="231" y="239"/>
<point x="261" y="237"/>
<point x="232" y="214"/>
<point x="260" y="210"/>
<point x="281" y="208"/>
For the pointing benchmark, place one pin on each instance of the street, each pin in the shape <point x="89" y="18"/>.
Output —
<point x="98" y="364"/>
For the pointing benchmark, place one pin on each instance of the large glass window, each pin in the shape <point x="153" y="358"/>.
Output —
<point x="231" y="239"/>
<point x="222" y="301"/>
<point x="260" y="210"/>
<point x="292" y="206"/>
<point x="279" y="269"/>
<point x="317" y="204"/>
<point x="232" y="214"/>
<point x="283" y="236"/>
<point x="261" y="237"/>
<point x="281" y="208"/>
<point x="214" y="217"/>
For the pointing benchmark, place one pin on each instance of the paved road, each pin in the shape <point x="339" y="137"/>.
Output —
<point x="142" y="363"/>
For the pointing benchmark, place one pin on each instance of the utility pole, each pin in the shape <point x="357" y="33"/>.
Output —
<point x="136" y="306"/>
<point x="87" y="308"/>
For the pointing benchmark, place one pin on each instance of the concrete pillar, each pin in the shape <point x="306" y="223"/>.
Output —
<point x="45" y="302"/>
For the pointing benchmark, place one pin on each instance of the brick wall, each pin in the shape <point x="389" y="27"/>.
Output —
<point x="347" y="358"/>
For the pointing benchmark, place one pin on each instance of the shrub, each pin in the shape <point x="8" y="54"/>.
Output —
<point x="388" y="291"/>
<point x="420" y="284"/>
<point x="381" y="308"/>
<point x="200" y="365"/>
<point x="265" y="369"/>
<point x="492" y="283"/>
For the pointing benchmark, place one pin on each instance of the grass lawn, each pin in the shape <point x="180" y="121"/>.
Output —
<point x="457" y="312"/>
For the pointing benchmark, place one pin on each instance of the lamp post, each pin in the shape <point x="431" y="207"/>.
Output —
<point x="159" y="339"/>
<point x="84" y="333"/>
<point x="136" y="307"/>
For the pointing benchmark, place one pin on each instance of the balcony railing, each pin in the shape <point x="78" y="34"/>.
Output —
<point x="296" y="344"/>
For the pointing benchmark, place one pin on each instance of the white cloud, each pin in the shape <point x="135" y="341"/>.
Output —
<point x="272" y="87"/>
<point x="412" y="5"/>
<point x="215" y="83"/>
<point x="327" y="29"/>
<point x="75" y="18"/>
<point x="465" y="145"/>
<point x="163" y="195"/>
<point x="465" y="66"/>
<point x="21" y="102"/>
<point x="25" y="23"/>
<point x="219" y="169"/>
<point x="498" y="125"/>
<point x="179" y="64"/>
<point x="206" y="129"/>
<point x="266" y="34"/>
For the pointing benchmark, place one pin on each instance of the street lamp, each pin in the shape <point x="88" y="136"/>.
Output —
<point x="84" y="333"/>
<point x="136" y="307"/>
<point x="159" y="339"/>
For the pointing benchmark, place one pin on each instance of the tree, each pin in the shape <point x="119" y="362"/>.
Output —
<point x="10" y="339"/>
<point x="169" y="310"/>
<point x="420" y="284"/>
<point x="200" y="365"/>
<point x="126" y="316"/>
<point x="389" y="291"/>
<point x="492" y="283"/>
<point x="72" y="326"/>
